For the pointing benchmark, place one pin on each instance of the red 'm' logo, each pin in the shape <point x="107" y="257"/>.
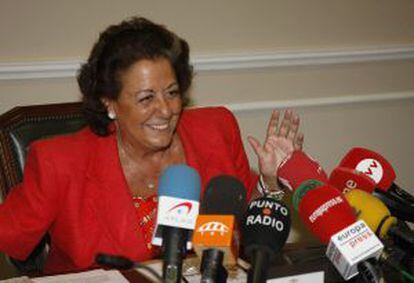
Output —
<point x="179" y="207"/>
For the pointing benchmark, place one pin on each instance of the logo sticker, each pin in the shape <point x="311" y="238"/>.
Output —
<point x="372" y="168"/>
<point x="213" y="227"/>
<point x="181" y="208"/>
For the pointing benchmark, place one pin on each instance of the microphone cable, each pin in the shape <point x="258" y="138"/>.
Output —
<point x="386" y="259"/>
<point x="123" y="263"/>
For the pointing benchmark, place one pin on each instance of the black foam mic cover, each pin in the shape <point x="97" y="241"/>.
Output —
<point x="265" y="230"/>
<point x="266" y="226"/>
<point x="224" y="195"/>
<point x="399" y="202"/>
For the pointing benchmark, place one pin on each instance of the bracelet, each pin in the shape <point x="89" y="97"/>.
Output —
<point x="264" y="189"/>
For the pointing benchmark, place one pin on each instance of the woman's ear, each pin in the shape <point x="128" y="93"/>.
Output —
<point x="109" y="108"/>
<point x="105" y="102"/>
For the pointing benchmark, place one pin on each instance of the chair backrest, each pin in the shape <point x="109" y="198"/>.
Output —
<point x="18" y="128"/>
<point x="22" y="125"/>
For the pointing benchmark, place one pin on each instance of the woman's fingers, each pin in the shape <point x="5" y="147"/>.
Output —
<point x="298" y="141"/>
<point x="287" y="130"/>
<point x="273" y="124"/>
<point x="288" y="127"/>
<point x="294" y="126"/>
<point x="255" y="144"/>
<point x="285" y="125"/>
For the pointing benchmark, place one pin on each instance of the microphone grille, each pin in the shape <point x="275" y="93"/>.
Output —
<point x="224" y="195"/>
<point x="180" y="181"/>
<point x="266" y="225"/>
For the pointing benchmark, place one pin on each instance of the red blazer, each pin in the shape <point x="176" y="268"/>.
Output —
<point x="75" y="189"/>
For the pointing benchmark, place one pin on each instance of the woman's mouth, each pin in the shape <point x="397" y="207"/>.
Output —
<point x="159" y="127"/>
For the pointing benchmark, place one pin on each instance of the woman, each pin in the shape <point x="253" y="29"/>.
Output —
<point x="95" y="191"/>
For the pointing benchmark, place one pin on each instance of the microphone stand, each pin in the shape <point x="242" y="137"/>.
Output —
<point x="258" y="272"/>
<point x="212" y="269"/>
<point x="173" y="250"/>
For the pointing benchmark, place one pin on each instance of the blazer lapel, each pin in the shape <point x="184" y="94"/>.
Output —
<point x="197" y="153"/>
<point x="109" y="196"/>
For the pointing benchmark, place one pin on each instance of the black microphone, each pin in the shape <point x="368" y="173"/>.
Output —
<point x="216" y="236"/>
<point x="224" y="195"/>
<point x="265" y="231"/>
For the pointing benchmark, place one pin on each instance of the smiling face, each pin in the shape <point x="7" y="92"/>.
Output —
<point x="149" y="105"/>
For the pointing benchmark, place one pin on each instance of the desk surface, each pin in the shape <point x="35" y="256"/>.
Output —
<point x="299" y="259"/>
<point x="294" y="260"/>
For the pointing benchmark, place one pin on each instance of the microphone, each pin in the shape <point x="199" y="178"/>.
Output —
<point x="216" y="243"/>
<point x="299" y="167"/>
<point x="328" y="215"/>
<point x="303" y="189"/>
<point x="378" y="217"/>
<point x="325" y="211"/>
<point x="399" y="240"/>
<point x="346" y="179"/>
<point x="375" y="166"/>
<point x="224" y="195"/>
<point x="178" y="205"/>
<point x="216" y="237"/>
<point x="265" y="229"/>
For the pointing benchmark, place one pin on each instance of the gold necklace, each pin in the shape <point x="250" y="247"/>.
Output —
<point x="125" y="160"/>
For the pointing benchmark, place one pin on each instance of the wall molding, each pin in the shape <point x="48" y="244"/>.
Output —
<point x="217" y="62"/>
<point x="303" y="58"/>
<point x="320" y="101"/>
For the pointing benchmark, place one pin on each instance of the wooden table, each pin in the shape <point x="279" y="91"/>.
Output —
<point x="295" y="259"/>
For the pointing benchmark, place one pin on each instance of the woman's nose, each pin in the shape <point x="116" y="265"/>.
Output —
<point x="164" y="107"/>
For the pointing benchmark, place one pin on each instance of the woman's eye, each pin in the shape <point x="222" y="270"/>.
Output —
<point x="145" y="99"/>
<point x="173" y="93"/>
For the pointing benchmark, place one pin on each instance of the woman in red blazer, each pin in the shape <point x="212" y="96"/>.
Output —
<point x="95" y="191"/>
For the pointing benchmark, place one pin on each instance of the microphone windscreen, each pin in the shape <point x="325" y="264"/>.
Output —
<point x="346" y="179"/>
<point x="372" y="210"/>
<point x="266" y="225"/>
<point x="299" y="167"/>
<point x="372" y="164"/>
<point x="180" y="181"/>
<point x="302" y="190"/>
<point x="325" y="211"/>
<point x="224" y="195"/>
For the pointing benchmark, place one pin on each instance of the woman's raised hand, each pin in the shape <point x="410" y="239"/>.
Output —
<point x="281" y="140"/>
